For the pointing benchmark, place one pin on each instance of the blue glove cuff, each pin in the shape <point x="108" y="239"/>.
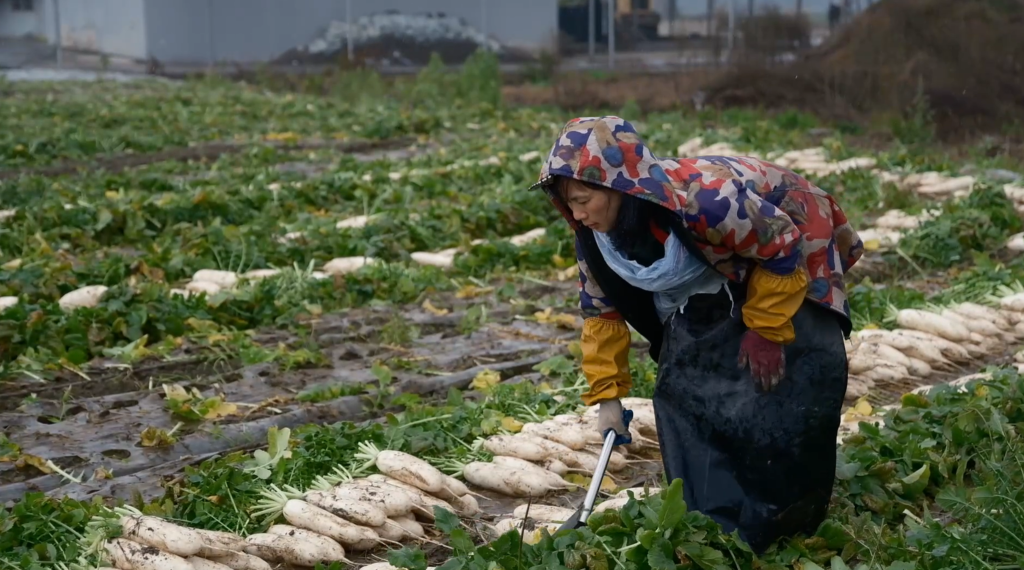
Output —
<point x="620" y="439"/>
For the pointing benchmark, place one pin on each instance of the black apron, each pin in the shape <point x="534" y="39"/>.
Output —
<point x="759" y="462"/>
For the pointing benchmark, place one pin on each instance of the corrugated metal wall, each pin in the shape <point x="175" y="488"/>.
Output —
<point x="190" y="31"/>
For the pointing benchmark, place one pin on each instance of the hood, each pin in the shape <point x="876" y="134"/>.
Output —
<point x="608" y="151"/>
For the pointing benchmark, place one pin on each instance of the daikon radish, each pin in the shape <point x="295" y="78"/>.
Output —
<point x="505" y="480"/>
<point x="303" y="515"/>
<point x="555" y="433"/>
<point x="886" y="372"/>
<point x="352" y="511"/>
<point x="638" y="492"/>
<point x="1011" y="317"/>
<point x="981" y="312"/>
<point x="203" y="287"/>
<point x="555" y="466"/>
<point x="883" y="353"/>
<point x="241" y="561"/>
<point x="950" y="350"/>
<point x="83" y="297"/>
<point x="455" y="487"/>
<point x="294" y="546"/>
<point x="907" y="344"/>
<point x="218" y="543"/>
<point x="515" y="447"/>
<point x="392" y="531"/>
<point x="856" y="388"/>
<point x="858" y="364"/>
<point x="589" y="433"/>
<point x="7" y="303"/>
<point x="345" y="265"/>
<point x="976" y="351"/>
<point x="1019" y="356"/>
<point x="467" y="505"/>
<point x="223" y="279"/>
<point x="259" y="274"/>
<point x="611" y="504"/>
<point x="984" y="328"/>
<point x="925" y="321"/>
<point x="128" y="555"/>
<point x="428" y="501"/>
<point x="919" y="368"/>
<point x="392" y="500"/>
<point x="552" y="448"/>
<point x="1013" y="303"/>
<point x="204" y="564"/>
<point x="411" y="527"/>
<point x="404" y="467"/>
<point x="546" y="513"/>
<point x="515" y="463"/>
<point x="1018" y="329"/>
<point x="162" y="534"/>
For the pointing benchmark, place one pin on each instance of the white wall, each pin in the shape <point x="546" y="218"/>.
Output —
<point x="19" y="23"/>
<point x="113" y="27"/>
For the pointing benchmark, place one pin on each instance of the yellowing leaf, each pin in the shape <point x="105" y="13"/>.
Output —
<point x="862" y="407"/>
<point x="544" y="387"/>
<point x="282" y="137"/>
<point x="981" y="390"/>
<point x="485" y="380"/>
<point x="102" y="473"/>
<point x="155" y="437"/>
<point x="872" y="245"/>
<point x="429" y="307"/>
<point x="176" y="392"/>
<point x="12" y="264"/>
<point x="220" y="410"/>
<point x="607" y="485"/>
<point x="111" y="194"/>
<point x="560" y="319"/>
<point x="568" y="273"/>
<point x="471" y="291"/>
<point x="575" y="349"/>
<point x="27" y="460"/>
<point x="511" y="424"/>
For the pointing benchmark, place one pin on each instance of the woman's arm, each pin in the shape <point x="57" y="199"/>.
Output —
<point x="604" y="342"/>
<point x="734" y="219"/>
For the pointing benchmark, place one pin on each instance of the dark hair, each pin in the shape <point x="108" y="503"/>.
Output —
<point x="632" y="233"/>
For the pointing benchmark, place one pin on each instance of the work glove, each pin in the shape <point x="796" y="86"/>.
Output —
<point x="767" y="359"/>
<point x="611" y="416"/>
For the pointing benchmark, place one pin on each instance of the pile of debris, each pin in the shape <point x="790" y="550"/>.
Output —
<point x="962" y="59"/>
<point x="392" y="38"/>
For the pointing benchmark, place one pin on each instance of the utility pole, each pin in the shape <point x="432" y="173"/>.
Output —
<point x="57" y="33"/>
<point x="483" y="17"/>
<point x="591" y="31"/>
<point x="611" y="33"/>
<point x="349" y="27"/>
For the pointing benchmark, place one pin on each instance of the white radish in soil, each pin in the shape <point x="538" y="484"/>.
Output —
<point x="555" y="466"/>
<point x="981" y="312"/>
<point x="556" y="433"/>
<point x="404" y="467"/>
<point x="301" y="514"/>
<point x="162" y="534"/>
<point x="411" y="527"/>
<point x="88" y="296"/>
<point x="552" y="479"/>
<point x="925" y="321"/>
<point x="611" y="504"/>
<point x="907" y="344"/>
<point x="546" y="513"/>
<point x="588" y="461"/>
<point x="507" y="481"/>
<point x="204" y="564"/>
<point x="427" y="502"/>
<point x="586" y="428"/>
<point x="883" y="352"/>
<point x="467" y="506"/>
<point x="513" y="446"/>
<point x="392" y="500"/>
<point x="984" y="328"/>
<point x="949" y="349"/>
<point x="533" y="532"/>
<point x="295" y="547"/>
<point x="223" y="279"/>
<point x="919" y="368"/>
<point x="352" y="511"/>
<point x="127" y="555"/>
<point x="552" y="448"/>
<point x="216" y="543"/>
<point x="886" y="372"/>
<point x="1013" y="303"/>
<point x="638" y="492"/>
<point x="859" y="364"/>
<point x="241" y="561"/>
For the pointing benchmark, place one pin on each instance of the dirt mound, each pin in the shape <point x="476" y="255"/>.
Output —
<point x="965" y="57"/>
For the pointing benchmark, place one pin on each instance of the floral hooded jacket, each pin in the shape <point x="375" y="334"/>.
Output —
<point x="755" y="222"/>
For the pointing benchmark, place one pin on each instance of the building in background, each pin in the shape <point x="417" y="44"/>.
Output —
<point x="250" y="31"/>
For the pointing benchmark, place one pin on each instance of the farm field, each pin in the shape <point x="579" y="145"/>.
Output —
<point x="219" y="301"/>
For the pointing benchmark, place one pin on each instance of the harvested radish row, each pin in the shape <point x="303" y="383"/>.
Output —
<point x="289" y="545"/>
<point x="161" y="534"/>
<point x="204" y="564"/>
<point x="546" y="513"/>
<point x="241" y="561"/>
<point x="404" y="467"/>
<point x="929" y="322"/>
<point x="128" y="555"/>
<point x="556" y="433"/>
<point x="301" y="514"/>
<point x="508" y="481"/>
<point x="523" y="447"/>
<point x="217" y="543"/>
<point x="538" y="471"/>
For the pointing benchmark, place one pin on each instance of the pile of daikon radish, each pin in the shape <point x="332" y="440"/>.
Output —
<point x="342" y="513"/>
<point x="939" y="339"/>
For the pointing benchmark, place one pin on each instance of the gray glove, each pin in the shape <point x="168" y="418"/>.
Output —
<point x="609" y="415"/>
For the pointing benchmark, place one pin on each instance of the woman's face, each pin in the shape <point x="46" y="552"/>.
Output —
<point x="596" y="208"/>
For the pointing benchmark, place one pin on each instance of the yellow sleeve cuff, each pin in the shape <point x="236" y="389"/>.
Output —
<point x="772" y="300"/>
<point x="605" y="347"/>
